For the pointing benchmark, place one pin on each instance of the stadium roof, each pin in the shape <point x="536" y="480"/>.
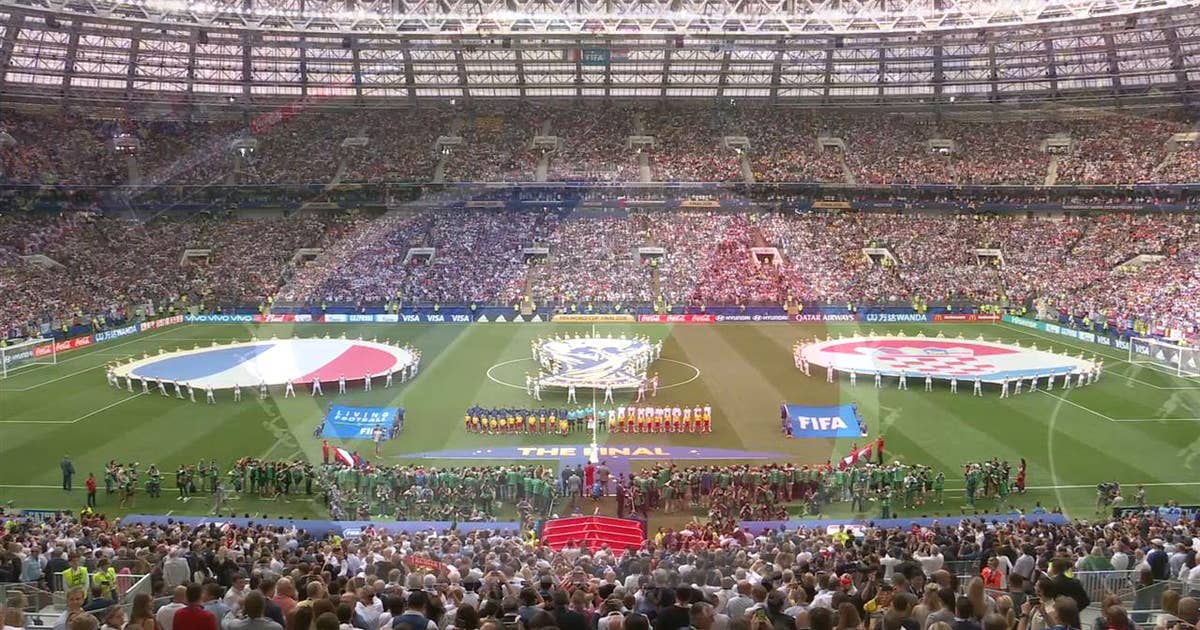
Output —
<point x="247" y="51"/>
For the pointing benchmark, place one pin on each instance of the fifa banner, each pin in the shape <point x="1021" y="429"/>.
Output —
<point x="358" y="423"/>
<point x="839" y="421"/>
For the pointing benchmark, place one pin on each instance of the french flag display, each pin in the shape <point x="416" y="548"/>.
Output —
<point x="346" y="457"/>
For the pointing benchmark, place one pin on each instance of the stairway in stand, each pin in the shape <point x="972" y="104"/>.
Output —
<point x="593" y="532"/>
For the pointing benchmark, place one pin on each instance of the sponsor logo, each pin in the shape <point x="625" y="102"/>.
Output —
<point x="1087" y="336"/>
<point x="1021" y="321"/>
<point x="1053" y="328"/>
<point x="410" y="318"/>
<point x="823" y="317"/>
<point x="387" y="318"/>
<point x="1122" y="344"/>
<point x="753" y="318"/>
<point x="105" y="335"/>
<point x="304" y="317"/>
<point x="360" y="317"/>
<point x="588" y="317"/>
<point x="1104" y="341"/>
<point x="67" y="345"/>
<point x="892" y="318"/>
<point x="594" y="362"/>
<point x="965" y="317"/>
<point x="689" y="318"/>
<point x="161" y="322"/>
<point x="335" y="317"/>
<point x="39" y="351"/>
<point x="218" y="319"/>
<point x="460" y="319"/>
<point x="435" y="318"/>
<point x="358" y="423"/>
<point x="823" y="422"/>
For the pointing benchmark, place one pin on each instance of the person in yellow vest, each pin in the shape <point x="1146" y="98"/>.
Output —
<point x="105" y="578"/>
<point x="75" y="576"/>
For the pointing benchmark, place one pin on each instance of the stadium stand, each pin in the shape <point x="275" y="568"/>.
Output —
<point x="1078" y="265"/>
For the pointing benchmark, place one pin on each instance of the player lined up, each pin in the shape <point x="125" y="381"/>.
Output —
<point x="662" y="420"/>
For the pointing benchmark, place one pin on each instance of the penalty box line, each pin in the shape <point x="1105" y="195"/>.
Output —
<point x="82" y="356"/>
<point x="1112" y="419"/>
<point x="1100" y="351"/>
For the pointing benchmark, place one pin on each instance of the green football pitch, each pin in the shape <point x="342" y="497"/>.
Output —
<point x="1137" y="425"/>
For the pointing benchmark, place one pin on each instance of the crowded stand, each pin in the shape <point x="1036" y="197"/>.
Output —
<point x="783" y="148"/>
<point x="590" y="260"/>
<point x="306" y="147"/>
<point x="592" y="144"/>
<point x="103" y="276"/>
<point x="399" y="148"/>
<point x="1005" y="574"/>
<point x="1116" y="148"/>
<point x="687" y="146"/>
<point x="475" y="255"/>
<point x="1086" y="266"/>
<point x="496" y="145"/>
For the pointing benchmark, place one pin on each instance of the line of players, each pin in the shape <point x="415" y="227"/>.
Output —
<point x="185" y="389"/>
<point x="1076" y="378"/>
<point x="566" y="421"/>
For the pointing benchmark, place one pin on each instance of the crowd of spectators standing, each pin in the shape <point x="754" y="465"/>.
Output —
<point x="784" y="145"/>
<point x="973" y="574"/>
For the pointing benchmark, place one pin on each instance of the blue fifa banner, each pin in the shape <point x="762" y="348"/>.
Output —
<point x="840" y="421"/>
<point x="358" y="423"/>
<point x="595" y="56"/>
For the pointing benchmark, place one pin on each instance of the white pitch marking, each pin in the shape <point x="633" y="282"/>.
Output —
<point x="80" y="418"/>
<point x="1075" y="404"/>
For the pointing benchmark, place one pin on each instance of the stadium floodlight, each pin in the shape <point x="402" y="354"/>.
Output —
<point x="21" y="354"/>
<point x="1164" y="355"/>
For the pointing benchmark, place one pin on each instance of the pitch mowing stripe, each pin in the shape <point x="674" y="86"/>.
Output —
<point x="80" y="418"/>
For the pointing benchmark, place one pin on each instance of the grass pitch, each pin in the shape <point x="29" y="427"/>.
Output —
<point x="1137" y="425"/>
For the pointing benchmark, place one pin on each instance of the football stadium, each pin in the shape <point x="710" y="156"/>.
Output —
<point x="648" y="314"/>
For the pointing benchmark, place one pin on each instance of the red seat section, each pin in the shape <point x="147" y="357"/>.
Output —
<point x="593" y="532"/>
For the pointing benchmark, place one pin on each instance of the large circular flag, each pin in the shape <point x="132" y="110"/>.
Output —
<point x="595" y="362"/>
<point x="273" y="362"/>
<point x="939" y="358"/>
